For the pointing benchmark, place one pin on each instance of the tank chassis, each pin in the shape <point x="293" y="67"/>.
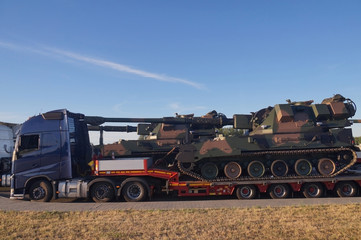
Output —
<point x="287" y="141"/>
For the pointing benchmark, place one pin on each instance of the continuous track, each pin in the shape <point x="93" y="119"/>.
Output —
<point x="341" y="165"/>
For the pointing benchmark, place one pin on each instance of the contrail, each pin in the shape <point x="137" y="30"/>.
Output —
<point x="124" y="68"/>
<point x="102" y="63"/>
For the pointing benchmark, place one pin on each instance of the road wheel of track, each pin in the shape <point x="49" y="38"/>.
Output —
<point x="188" y="166"/>
<point x="134" y="191"/>
<point x="41" y="191"/>
<point x="346" y="189"/>
<point x="209" y="170"/>
<point x="102" y="192"/>
<point x="279" y="168"/>
<point x="256" y="169"/>
<point x="303" y="167"/>
<point x="312" y="190"/>
<point x="278" y="191"/>
<point x="232" y="170"/>
<point x="246" y="192"/>
<point x="326" y="166"/>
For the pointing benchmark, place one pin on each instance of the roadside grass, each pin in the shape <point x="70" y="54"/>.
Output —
<point x="301" y="222"/>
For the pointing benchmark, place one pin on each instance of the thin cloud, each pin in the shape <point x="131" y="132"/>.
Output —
<point x="14" y="47"/>
<point x="102" y="63"/>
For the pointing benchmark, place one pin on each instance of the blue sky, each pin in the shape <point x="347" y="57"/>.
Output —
<point x="156" y="58"/>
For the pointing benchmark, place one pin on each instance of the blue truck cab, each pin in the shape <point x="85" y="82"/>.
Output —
<point x="50" y="147"/>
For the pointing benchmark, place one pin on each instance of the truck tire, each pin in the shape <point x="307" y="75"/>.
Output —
<point x="134" y="191"/>
<point x="313" y="190"/>
<point x="246" y="192"/>
<point x="346" y="189"/>
<point x="41" y="191"/>
<point x="102" y="192"/>
<point x="278" y="191"/>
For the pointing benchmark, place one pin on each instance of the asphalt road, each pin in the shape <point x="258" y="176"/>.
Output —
<point x="162" y="204"/>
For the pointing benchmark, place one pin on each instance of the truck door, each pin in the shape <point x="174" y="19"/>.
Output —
<point x="27" y="157"/>
<point x="50" y="155"/>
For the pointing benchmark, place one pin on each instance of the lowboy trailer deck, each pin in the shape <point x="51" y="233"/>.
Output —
<point x="117" y="179"/>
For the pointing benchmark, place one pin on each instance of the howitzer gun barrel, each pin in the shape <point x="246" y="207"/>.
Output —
<point x="113" y="128"/>
<point x="199" y="121"/>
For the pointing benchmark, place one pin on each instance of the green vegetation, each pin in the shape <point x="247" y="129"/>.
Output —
<point x="302" y="222"/>
<point x="358" y="140"/>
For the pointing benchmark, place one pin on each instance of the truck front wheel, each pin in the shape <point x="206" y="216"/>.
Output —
<point x="40" y="191"/>
<point x="134" y="191"/>
<point x="102" y="192"/>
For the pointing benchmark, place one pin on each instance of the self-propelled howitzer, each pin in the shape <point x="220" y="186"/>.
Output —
<point x="297" y="139"/>
<point x="161" y="137"/>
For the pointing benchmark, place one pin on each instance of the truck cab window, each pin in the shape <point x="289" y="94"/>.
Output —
<point x="28" y="143"/>
<point x="72" y="133"/>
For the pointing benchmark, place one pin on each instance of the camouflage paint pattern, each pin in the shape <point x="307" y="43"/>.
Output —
<point x="295" y="125"/>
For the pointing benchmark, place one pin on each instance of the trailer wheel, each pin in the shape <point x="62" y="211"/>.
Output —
<point x="102" y="192"/>
<point x="346" y="189"/>
<point x="134" y="191"/>
<point x="278" y="191"/>
<point x="41" y="191"/>
<point x="246" y="192"/>
<point x="313" y="190"/>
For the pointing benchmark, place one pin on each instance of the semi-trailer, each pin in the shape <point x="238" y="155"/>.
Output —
<point x="7" y="141"/>
<point x="294" y="147"/>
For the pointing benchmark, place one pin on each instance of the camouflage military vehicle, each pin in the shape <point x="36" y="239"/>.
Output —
<point x="287" y="140"/>
<point x="160" y="138"/>
<point x="297" y="139"/>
